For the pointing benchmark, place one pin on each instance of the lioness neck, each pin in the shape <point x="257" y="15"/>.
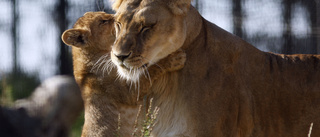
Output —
<point x="194" y="26"/>
<point x="173" y="109"/>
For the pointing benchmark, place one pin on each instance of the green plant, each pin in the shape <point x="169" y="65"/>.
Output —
<point x="148" y="123"/>
<point x="145" y="128"/>
<point x="76" y="128"/>
<point x="310" y="130"/>
<point x="150" y="120"/>
<point x="17" y="86"/>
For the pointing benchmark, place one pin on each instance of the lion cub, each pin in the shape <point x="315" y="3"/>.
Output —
<point x="104" y="94"/>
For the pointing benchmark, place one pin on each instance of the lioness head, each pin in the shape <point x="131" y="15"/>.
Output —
<point x="146" y="31"/>
<point x="95" y="30"/>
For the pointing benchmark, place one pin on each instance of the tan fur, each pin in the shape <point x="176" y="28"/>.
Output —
<point x="116" y="4"/>
<point x="228" y="87"/>
<point x="104" y="94"/>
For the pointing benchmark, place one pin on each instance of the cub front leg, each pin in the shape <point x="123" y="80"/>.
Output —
<point x="173" y="62"/>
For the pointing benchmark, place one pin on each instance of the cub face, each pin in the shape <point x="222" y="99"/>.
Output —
<point x="91" y="39"/>
<point x="146" y="33"/>
<point x="95" y="30"/>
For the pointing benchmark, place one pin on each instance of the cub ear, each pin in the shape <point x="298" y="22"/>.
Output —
<point x="179" y="7"/>
<point x="75" y="37"/>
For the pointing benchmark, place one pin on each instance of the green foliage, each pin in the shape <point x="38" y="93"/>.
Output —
<point x="149" y="121"/>
<point x="77" y="126"/>
<point x="21" y="85"/>
<point x="17" y="86"/>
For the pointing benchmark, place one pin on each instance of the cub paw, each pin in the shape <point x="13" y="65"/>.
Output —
<point x="175" y="61"/>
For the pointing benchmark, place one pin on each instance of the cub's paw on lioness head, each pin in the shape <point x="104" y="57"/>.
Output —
<point x="173" y="62"/>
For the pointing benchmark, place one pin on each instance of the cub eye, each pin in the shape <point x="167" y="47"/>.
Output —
<point x="104" y="21"/>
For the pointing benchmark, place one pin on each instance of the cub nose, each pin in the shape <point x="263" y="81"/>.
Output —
<point x="122" y="57"/>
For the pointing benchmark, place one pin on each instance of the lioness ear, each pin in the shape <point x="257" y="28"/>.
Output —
<point x="75" y="37"/>
<point x="179" y="7"/>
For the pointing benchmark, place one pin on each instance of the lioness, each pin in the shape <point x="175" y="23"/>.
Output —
<point x="228" y="88"/>
<point x="104" y="96"/>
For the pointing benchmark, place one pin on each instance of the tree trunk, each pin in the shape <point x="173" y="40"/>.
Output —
<point x="65" y="61"/>
<point x="312" y="10"/>
<point x="14" y="35"/>
<point x="287" y="47"/>
<point x="317" y="29"/>
<point x="99" y="5"/>
<point x="197" y="5"/>
<point x="237" y="17"/>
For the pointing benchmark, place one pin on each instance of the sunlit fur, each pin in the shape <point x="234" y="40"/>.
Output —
<point x="105" y="93"/>
<point x="227" y="88"/>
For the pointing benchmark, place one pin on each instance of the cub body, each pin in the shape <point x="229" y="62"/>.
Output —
<point x="105" y="94"/>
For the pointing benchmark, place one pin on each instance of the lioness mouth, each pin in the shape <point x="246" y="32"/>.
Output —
<point x="127" y="68"/>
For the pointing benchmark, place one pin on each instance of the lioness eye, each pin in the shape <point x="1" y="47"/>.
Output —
<point x="118" y="27"/>
<point x="143" y="29"/>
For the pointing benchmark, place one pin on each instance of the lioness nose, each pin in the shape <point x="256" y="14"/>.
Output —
<point x="122" y="57"/>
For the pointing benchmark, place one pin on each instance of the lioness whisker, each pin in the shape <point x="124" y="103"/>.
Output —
<point x="144" y="72"/>
<point x="98" y="63"/>
<point x="110" y="66"/>
<point x="117" y="78"/>
<point x="138" y="90"/>
<point x="102" y="63"/>
<point x="146" y="68"/>
<point x="130" y="86"/>
<point x="100" y="59"/>
<point x="104" y="67"/>
<point x="135" y="82"/>
<point x="151" y="62"/>
<point x="95" y="65"/>
<point x="159" y="66"/>
<point x="130" y="81"/>
<point x="135" y="85"/>
<point x="143" y="69"/>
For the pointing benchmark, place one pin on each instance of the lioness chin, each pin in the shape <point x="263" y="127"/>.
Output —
<point x="228" y="88"/>
<point x="105" y="95"/>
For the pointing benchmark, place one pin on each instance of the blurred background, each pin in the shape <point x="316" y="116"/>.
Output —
<point x="31" y="49"/>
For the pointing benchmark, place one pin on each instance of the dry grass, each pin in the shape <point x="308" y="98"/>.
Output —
<point x="146" y="126"/>
<point x="310" y="130"/>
